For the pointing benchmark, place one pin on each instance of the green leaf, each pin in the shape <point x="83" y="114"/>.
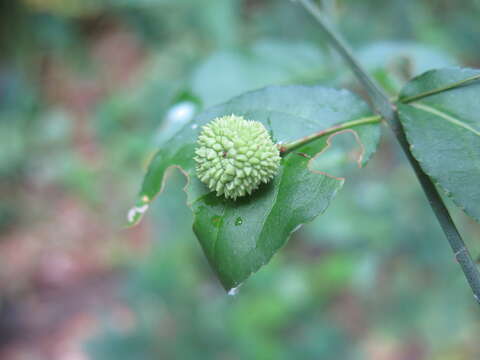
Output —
<point x="444" y="132"/>
<point x="239" y="237"/>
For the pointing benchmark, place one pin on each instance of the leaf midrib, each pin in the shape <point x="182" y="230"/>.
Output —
<point x="264" y="220"/>
<point x="445" y="116"/>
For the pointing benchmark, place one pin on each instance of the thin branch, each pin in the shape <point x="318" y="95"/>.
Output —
<point x="288" y="147"/>
<point x="384" y="107"/>
<point x="451" y="86"/>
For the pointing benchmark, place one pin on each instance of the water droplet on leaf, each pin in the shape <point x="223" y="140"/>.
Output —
<point x="233" y="291"/>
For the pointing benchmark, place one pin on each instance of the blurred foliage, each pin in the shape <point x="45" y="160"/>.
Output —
<point x="89" y="89"/>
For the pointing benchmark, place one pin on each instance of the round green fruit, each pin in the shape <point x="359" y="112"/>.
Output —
<point x="234" y="156"/>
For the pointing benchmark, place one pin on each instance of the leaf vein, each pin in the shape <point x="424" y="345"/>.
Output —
<point x="269" y="213"/>
<point x="215" y="242"/>
<point x="445" y="116"/>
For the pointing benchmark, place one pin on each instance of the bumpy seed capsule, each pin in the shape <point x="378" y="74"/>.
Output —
<point x="234" y="156"/>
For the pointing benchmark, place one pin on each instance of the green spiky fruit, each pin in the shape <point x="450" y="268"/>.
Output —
<point x="234" y="156"/>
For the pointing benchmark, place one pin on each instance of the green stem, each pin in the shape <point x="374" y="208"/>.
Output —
<point x="387" y="109"/>
<point x="288" y="147"/>
<point x="454" y="85"/>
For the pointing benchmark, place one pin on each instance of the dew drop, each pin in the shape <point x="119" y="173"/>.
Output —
<point x="233" y="291"/>
<point x="238" y="221"/>
<point x="136" y="211"/>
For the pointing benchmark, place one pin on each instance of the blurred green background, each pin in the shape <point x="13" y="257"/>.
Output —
<point x="89" y="90"/>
